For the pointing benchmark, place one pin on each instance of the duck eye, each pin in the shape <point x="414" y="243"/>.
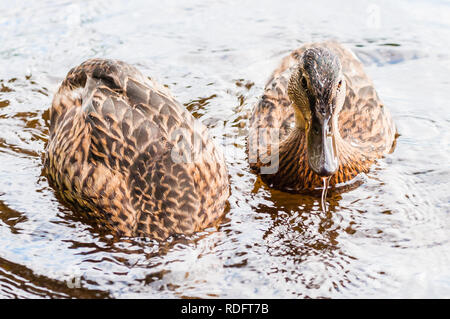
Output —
<point x="339" y="85"/>
<point x="304" y="83"/>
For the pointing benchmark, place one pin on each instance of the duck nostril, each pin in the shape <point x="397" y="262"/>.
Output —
<point x="325" y="172"/>
<point x="316" y="129"/>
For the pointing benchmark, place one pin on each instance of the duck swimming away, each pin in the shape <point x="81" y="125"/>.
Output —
<point x="329" y="122"/>
<point x="125" y="153"/>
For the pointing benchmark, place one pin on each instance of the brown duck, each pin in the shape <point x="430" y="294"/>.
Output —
<point x="319" y="116"/>
<point x="122" y="150"/>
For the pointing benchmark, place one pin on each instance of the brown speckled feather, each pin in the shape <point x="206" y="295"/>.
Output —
<point x="365" y="125"/>
<point x="116" y="152"/>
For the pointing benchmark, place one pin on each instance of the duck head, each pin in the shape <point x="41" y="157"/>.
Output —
<point x="317" y="91"/>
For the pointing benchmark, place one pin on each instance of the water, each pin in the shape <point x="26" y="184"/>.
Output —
<point x="323" y="198"/>
<point x="388" y="237"/>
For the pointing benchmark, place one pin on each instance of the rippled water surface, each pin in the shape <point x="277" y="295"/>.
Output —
<point x="389" y="237"/>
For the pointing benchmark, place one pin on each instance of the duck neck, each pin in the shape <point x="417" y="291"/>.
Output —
<point x="294" y="172"/>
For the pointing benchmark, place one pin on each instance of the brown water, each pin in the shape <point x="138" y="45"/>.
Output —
<point x="388" y="237"/>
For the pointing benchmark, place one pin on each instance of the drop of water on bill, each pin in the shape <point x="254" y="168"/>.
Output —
<point x="326" y="183"/>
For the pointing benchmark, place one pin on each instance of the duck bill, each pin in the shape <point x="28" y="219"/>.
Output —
<point x="322" y="154"/>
